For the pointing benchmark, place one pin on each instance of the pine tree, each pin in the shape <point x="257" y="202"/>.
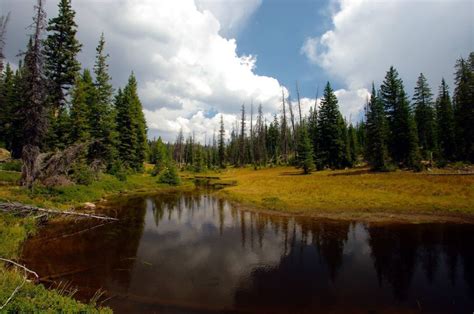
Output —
<point x="376" y="131"/>
<point x="102" y="114"/>
<point x="313" y="128"/>
<point x="353" y="144"/>
<point x="331" y="144"/>
<point x="346" y="160"/>
<point x="273" y="141"/>
<point x="198" y="162"/>
<point x="222" y="144"/>
<point x="131" y="126"/>
<point x="463" y="100"/>
<point x="83" y="97"/>
<point x="33" y="111"/>
<point x="402" y="135"/>
<point x="425" y="117"/>
<point x="14" y="101"/>
<point x="60" y="49"/>
<point x="305" y="150"/>
<point x="445" y="123"/>
<point x="242" y="138"/>
<point x="179" y="148"/>
<point x="260" y="149"/>
<point x="158" y="152"/>
<point x="7" y="107"/>
<point x="284" y="130"/>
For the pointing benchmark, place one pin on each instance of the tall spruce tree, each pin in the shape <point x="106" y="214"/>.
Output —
<point x="305" y="150"/>
<point x="60" y="49"/>
<point x="353" y="144"/>
<point x="463" y="99"/>
<point x="221" y="145"/>
<point x="83" y="99"/>
<point x="403" y="138"/>
<point x="33" y="111"/>
<point x="273" y="140"/>
<point x="313" y="128"/>
<point x="425" y="117"/>
<point x="131" y="126"/>
<point x="376" y="133"/>
<point x="331" y="143"/>
<point x="242" y="138"/>
<point x="445" y="123"/>
<point x="102" y="113"/>
<point x="61" y="68"/>
<point x="7" y="107"/>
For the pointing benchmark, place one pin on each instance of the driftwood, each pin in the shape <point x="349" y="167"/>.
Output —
<point x="21" y="208"/>
<point x="53" y="168"/>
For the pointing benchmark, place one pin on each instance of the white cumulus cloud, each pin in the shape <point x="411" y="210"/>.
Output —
<point x="187" y="71"/>
<point x="368" y="36"/>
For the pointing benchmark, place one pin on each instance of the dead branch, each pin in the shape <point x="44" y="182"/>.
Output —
<point x="14" y="292"/>
<point x="16" y="207"/>
<point x="20" y="266"/>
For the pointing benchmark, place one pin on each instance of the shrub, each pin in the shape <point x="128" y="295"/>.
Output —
<point x="82" y="174"/>
<point x="170" y="176"/>
<point x="157" y="169"/>
<point x="119" y="171"/>
<point x="13" y="165"/>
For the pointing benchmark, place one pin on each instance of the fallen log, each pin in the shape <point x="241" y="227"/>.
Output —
<point x="21" y="208"/>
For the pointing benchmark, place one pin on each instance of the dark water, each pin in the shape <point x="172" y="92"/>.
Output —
<point x="192" y="253"/>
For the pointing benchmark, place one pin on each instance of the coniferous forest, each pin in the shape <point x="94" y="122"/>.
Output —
<point x="51" y="104"/>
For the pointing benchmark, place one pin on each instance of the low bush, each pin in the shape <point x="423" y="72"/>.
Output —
<point x="170" y="176"/>
<point x="12" y="165"/>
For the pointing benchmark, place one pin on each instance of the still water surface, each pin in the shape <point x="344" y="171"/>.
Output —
<point x="193" y="253"/>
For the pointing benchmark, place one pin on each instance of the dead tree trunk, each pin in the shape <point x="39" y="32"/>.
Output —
<point x="29" y="169"/>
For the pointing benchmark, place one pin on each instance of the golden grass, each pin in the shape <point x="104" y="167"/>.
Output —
<point x="351" y="191"/>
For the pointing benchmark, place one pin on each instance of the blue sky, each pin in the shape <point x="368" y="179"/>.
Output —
<point x="276" y="32"/>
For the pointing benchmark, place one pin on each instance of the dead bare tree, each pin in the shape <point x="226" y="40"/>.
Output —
<point x="34" y="108"/>
<point x="299" y="102"/>
<point x="3" y="29"/>
<point x="284" y="129"/>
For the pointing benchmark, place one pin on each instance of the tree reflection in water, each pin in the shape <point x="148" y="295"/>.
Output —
<point x="193" y="252"/>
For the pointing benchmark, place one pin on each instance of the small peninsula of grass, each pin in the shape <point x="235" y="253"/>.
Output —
<point x="354" y="193"/>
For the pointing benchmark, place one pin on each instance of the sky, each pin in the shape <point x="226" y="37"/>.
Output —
<point x="198" y="59"/>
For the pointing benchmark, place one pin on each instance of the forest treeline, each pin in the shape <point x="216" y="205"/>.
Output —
<point x="50" y="104"/>
<point x="395" y="132"/>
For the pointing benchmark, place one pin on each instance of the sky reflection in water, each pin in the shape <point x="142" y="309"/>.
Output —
<point x="191" y="252"/>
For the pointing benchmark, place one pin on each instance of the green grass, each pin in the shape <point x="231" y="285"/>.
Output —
<point x="77" y="195"/>
<point x="352" y="192"/>
<point x="9" y="176"/>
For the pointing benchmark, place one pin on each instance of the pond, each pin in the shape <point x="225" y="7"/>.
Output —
<point x="194" y="253"/>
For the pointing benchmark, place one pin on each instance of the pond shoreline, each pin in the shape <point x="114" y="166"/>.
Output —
<point x="365" y="217"/>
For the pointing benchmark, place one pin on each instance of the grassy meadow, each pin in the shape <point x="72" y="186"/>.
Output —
<point x="352" y="193"/>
